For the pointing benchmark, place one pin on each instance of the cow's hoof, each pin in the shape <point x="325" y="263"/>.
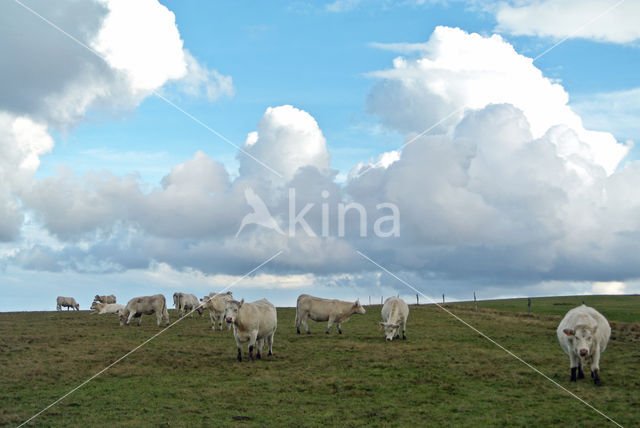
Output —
<point x="269" y="354"/>
<point x="326" y="332"/>
<point x="298" y="330"/>
<point x="580" y="375"/>
<point x="258" y="357"/>
<point x="339" y="331"/>
<point x="404" y="337"/>
<point x="308" y="332"/>
<point x="592" y="375"/>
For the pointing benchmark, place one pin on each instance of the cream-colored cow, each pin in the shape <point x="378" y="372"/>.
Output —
<point x="394" y="314"/>
<point x="254" y="322"/>
<point x="67" y="302"/>
<point x="216" y="303"/>
<point x="145" y="305"/>
<point x="331" y="310"/>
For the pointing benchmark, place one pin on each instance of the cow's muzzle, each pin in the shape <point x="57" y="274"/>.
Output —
<point x="229" y="320"/>
<point x="584" y="352"/>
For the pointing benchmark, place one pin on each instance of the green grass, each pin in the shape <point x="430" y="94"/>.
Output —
<point x="444" y="374"/>
<point x="615" y="308"/>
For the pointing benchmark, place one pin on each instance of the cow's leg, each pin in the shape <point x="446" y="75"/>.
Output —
<point x="130" y="317"/>
<point x="404" y="326"/>
<point x="252" y="344"/>
<point x="580" y="372"/>
<point x="339" y="327"/>
<point x="270" y="344"/>
<point x="159" y="317"/>
<point x="58" y="308"/>
<point x="239" y="345"/>
<point x="329" y="324"/>
<point x="574" y="366"/>
<point x="595" y="366"/>
<point x="305" y="323"/>
<point x="259" y="345"/>
<point x="139" y="320"/>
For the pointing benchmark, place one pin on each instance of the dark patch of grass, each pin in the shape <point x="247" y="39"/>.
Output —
<point x="444" y="374"/>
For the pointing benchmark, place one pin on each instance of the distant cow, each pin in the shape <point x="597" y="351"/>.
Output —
<point x="253" y="322"/>
<point x="67" y="302"/>
<point x="318" y="309"/>
<point x="394" y="313"/>
<point x="583" y="334"/>
<point x="106" y="308"/>
<point x="145" y="305"/>
<point x="186" y="303"/>
<point x="105" y="299"/>
<point x="216" y="303"/>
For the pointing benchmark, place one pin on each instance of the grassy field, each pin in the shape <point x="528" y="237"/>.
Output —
<point x="444" y="374"/>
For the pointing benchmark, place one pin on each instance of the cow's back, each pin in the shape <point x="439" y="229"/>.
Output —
<point x="260" y="315"/>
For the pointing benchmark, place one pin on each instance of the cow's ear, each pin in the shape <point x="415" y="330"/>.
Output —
<point x="569" y="332"/>
<point x="241" y="303"/>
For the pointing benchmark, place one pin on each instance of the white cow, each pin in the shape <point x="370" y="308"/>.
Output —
<point x="145" y="305"/>
<point x="331" y="310"/>
<point x="105" y="299"/>
<point x="105" y="308"/>
<point x="394" y="312"/>
<point x="186" y="303"/>
<point x="216" y="303"/>
<point x="583" y="334"/>
<point x="253" y="322"/>
<point x="67" y="302"/>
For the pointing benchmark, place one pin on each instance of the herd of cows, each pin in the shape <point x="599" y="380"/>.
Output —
<point x="583" y="333"/>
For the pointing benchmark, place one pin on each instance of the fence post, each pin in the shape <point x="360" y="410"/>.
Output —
<point x="417" y="299"/>
<point x="369" y="300"/>
<point x="381" y="297"/>
<point x="529" y="305"/>
<point x="475" y="302"/>
<point x="442" y="297"/>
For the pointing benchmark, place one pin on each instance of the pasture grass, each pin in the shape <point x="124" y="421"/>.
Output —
<point x="444" y="374"/>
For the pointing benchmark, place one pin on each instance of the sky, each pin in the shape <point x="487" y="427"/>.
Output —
<point x="344" y="149"/>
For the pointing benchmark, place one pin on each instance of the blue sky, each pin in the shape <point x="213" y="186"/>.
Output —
<point x="113" y="190"/>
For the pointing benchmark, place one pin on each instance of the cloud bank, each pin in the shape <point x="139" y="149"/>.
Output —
<point x="510" y="191"/>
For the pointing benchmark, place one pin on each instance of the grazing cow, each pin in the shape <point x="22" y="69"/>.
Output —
<point x="67" y="302"/>
<point x="105" y="308"/>
<point x="583" y="334"/>
<point x="105" y="299"/>
<point x="317" y="309"/>
<point x="253" y="322"/>
<point x="394" y="312"/>
<point x="186" y="303"/>
<point x="216" y="303"/>
<point x="145" y="305"/>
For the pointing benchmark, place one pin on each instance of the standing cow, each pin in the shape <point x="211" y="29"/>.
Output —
<point x="254" y="322"/>
<point x="186" y="303"/>
<point x="105" y="299"/>
<point x="145" y="305"/>
<point x="394" y="313"/>
<point x="216" y="303"/>
<point x="583" y="334"/>
<point x="331" y="310"/>
<point x="67" y="302"/>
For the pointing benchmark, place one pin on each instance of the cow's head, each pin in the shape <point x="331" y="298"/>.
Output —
<point x="77" y="306"/>
<point x="390" y="330"/>
<point x="232" y="307"/>
<point x="123" y="314"/>
<point x="95" y="306"/>
<point x="358" y="308"/>
<point x="582" y="340"/>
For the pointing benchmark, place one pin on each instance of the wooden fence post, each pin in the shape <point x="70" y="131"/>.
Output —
<point x="529" y="305"/>
<point x="475" y="302"/>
